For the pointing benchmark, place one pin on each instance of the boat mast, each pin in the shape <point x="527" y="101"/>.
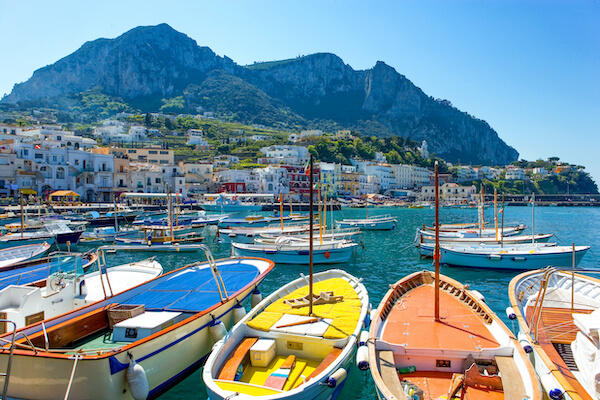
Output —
<point x="533" y="218"/>
<point x="502" y="229"/>
<point x="281" y="211"/>
<point x="310" y="256"/>
<point x="496" y="212"/>
<point x="22" y="216"/>
<point x="170" y="213"/>
<point x="437" y="245"/>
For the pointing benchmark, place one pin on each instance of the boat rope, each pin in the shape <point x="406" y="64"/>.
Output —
<point x="407" y="247"/>
<point x="72" y="376"/>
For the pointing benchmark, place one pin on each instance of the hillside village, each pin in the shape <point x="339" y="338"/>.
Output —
<point x="37" y="160"/>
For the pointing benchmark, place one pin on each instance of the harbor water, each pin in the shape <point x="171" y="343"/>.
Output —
<point x="387" y="256"/>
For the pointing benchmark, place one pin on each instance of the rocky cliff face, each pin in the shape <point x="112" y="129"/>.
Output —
<point x="160" y="62"/>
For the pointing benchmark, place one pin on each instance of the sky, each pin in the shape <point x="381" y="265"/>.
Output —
<point x="530" y="68"/>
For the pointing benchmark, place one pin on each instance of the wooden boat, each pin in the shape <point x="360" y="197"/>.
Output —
<point x="136" y="344"/>
<point x="557" y="313"/>
<point x="468" y="353"/>
<point x="339" y="234"/>
<point x="530" y="256"/>
<point x="290" y="251"/>
<point x="322" y="344"/>
<point x="426" y="249"/>
<point x="470" y="232"/>
<point x="17" y="254"/>
<point x="373" y="223"/>
<point x="431" y="337"/>
<point x="430" y="239"/>
<point x="65" y="286"/>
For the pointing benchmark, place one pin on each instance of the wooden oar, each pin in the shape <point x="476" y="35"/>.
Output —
<point x="306" y="321"/>
<point x="278" y="378"/>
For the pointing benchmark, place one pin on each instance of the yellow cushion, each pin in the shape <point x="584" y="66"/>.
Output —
<point x="344" y="314"/>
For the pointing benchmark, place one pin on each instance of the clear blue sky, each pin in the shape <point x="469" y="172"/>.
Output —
<point x="531" y="69"/>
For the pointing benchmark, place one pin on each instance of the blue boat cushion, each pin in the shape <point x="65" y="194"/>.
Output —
<point x="194" y="289"/>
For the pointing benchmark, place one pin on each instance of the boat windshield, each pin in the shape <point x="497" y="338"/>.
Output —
<point x="66" y="263"/>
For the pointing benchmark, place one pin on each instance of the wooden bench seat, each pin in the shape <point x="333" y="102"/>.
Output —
<point x="235" y="358"/>
<point x="389" y="374"/>
<point x="512" y="383"/>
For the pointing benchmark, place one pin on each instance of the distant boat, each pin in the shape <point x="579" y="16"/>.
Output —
<point x="135" y="344"/>
<point x="17" y="254"/>
<point x="245" y="234"/>
<point x="279" y="351"/>
<point x="557" y="313"/>
<point x="530" y="256"/>
<point x="296" y="251"/>
<point x="375" y="222"/>
<point x="426" y="249"/>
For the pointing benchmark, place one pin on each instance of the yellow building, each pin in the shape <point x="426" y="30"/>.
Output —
<point x="350" y="183"/>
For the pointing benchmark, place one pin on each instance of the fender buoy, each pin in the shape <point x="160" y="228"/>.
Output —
<point x="362" y="358"/>
<point x="217" y="330"/>
<point x="337" y="377"/>
<point x="510" y="313"/>
<point x="327" y="255"/>
<point x="238" y="313"/>
<point x="137" y="380"/>
<point x="256" y="297"/>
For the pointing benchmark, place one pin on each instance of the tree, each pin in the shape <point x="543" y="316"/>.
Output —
<point x="148" y="120"/>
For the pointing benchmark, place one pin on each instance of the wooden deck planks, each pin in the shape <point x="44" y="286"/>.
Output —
<point x="389" y="374"/>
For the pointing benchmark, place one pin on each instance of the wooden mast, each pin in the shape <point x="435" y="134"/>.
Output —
<point x="496" y="212"/>
<point x="437" y="245"/>
<point x="310" y="256"/>
<point x="281" y="211"/>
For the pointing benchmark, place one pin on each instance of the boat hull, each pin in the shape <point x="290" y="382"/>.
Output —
<point x="231" y="207"/>
<point x="514" y="261"/>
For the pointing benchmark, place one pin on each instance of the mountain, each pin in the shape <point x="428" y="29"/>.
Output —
<point x="150" y="63"/>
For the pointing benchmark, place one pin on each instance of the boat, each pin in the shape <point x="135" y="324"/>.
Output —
<point x="376" y="222"/>
<point x="471" y="232"/>
<point x="248" y="234"/>
<point x="340" y="234"/>
<point x="95" y="219"/>
<point x="530" y="256"/>
<point x="65" y="286"/>
<point x="557" y="315"/>
<point x="427" y="249"/>
<point x="106" y="234"/>
<point x="136" y="344"/>
<point x="288" y="250"/>
<point x="17" y="254"/>
<point x="281" y="350"/>
<point x="432" y="337"/>
<point x="421" y="238"/>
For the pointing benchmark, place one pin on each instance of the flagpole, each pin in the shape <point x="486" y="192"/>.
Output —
<point x="310" y="256"/>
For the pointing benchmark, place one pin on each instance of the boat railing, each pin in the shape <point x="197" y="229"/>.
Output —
<point x="215" y="271"/>
<point x="544" y="281"/>
<point x="6" y="374"/>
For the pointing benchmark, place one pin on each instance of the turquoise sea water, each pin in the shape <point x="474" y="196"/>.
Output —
<point x="389" y="255"/>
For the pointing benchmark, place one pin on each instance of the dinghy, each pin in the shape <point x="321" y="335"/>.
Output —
<point x="136" y="344"/>
<point x="426" y="244"/>
<point x="280" y="350"/>
<point x="373" y="223"/>
<point x="558" y="316"/>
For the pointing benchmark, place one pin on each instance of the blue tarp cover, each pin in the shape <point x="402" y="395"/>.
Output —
<point x="194" y="289"/>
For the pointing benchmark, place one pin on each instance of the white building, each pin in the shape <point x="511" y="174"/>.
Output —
<point x="383" y="172"/>
<point x="489" y="172"/>
<point x="540" y="171"/>
<point x="411" y="176"/>
<point x="174" y="178"/>
<point x="273" y="180"/>
<point x="260" y="137"/>
<point x="288" y="155"/>
<point x="466" y="173"/>
<point x="514" y="173"/>
<point x="424" y="150"/>
<point x="293" y="138"/>
<point x="196" y="138"/>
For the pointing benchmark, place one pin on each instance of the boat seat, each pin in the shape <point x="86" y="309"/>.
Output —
<point x="474" y="378"/>
<point x="389" y="374"/>
<point x="333" y="354"/>
<point x="513" y="386"/>
<point x="235" y="358"/>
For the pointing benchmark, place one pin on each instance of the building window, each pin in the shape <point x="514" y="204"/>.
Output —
<point x="152" y="152"/>
<point x="39" y="156"/>
<point x="164" y="152"/>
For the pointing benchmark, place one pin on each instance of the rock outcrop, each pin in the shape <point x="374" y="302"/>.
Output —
<point x="159" y="62"/>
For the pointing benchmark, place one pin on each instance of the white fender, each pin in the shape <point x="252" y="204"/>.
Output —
<point x="510" y="313"/>
<point x="256" y="297"/>
<point x="373" y="315"/>
<point x="362" y="339"/>
<point x="524" y="342"/>
<point x="362" y="358"/>
<point x="336" y="378"/>
<point x="137" y="381"/>
<point x="217" y="330"/>
<point x="478" y="295"/>
<point x="239" y="312"/>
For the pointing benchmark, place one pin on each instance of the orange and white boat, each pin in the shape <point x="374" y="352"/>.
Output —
<point x="559" y="317"/>
<point x="432" y="338"/>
